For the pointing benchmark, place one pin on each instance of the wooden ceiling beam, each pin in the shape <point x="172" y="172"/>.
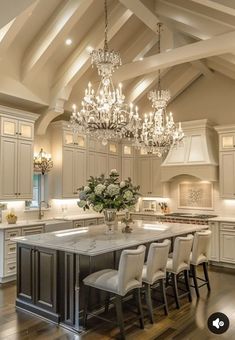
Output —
<point x="50" y="36"/>
<point x="216" y="6"/>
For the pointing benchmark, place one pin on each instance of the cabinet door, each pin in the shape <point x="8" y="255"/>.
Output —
<point x="9" y="127"/>
<point x="127" y="167"/>
<point x="8" y="166"/>
<point x="101" y="164"/>
<point x="114" y="163"/>
<point x="25" y="169"/>
<point x="25" y="276"/>
<point x="68" y="138"/>
<point x="91" y="164"/>
<point x="227" y="246"/>
<point x="227" y="175"/>
<point x="68" y="173"/>
<point x="144" y="175"/>
<point x="227" y="141"/>
<point x="26" y="130"/>
<point x="214" y="244"/>
<point x="156" y="185"/>
<point x="46" y="279"/>
<point x="79" y="168"/>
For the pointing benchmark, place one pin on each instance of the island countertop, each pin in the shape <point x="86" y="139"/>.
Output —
<point x="92" y="241"/>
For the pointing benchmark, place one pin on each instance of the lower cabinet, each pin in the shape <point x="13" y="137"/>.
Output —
<point x="227" y="243"/>
<point x="215" y="244"/>
<point x="37" y="279"/>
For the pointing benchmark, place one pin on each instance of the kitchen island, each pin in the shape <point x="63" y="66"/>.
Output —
<point x="51" y="266"/>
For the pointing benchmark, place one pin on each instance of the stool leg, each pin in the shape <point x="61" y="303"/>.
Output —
<point x="86" y="295"/>
<point x="163" y="286"/>
<point x="139" y="307"/>
<point x="194" y="274"/>
<point x="107" y="299"/>
<point x="118" y="304"/>
<point x="186" y="279"/>
<point x="205" y="269"/>
<point x="149" y="301"/>
<point x="175" y="289"/>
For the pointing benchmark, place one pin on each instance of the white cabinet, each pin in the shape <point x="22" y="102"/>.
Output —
<point x="227" y="174"/>
<point x="227" y="141"/>
<point x="149" y="176"/>
<point x="214" y="253"/>
<point x="73" y="139"/>
<point x="227" y="242"/>
<point x="127" y="168"/>
<point x="73" y="171"/>
<point x="114" y="162"/>
<point x="16" y="168"/>
<point x="97" y="164"/>
<point x="11" y="127"/>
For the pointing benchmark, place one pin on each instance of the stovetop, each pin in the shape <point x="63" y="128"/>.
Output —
<point x="195" y="216"/>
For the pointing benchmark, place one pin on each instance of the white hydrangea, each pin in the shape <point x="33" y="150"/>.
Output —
<point x="113" y="172"/>
<point x="128" y="195"/>
<point x="122" y="184"/>
<point x="86" y="189"/>
<point x="113" y="190"/>
<point x="99" y="189"/>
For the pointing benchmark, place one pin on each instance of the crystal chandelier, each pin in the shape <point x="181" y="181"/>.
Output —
<point x="42" y="162"/>
<point x="158" y="131"/>
<point x="103" y="114"/>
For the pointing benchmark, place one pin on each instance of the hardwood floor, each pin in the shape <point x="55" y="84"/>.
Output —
<point x="190" y="322"/>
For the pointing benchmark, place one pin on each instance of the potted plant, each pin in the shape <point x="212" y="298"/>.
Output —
<point x="108" y="195"/>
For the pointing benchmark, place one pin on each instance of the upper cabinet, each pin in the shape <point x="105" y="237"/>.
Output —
<point x="73" y="139"/>
<point x="16" y="145"/>
<point x="227" y="161"/>
<point x="16" y="128"/>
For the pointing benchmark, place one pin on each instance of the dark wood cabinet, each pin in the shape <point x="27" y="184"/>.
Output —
<point x="37" y="281"/>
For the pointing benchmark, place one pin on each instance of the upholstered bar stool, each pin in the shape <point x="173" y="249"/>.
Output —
<point x="120" y="282"/>
<point x="180" y="262"/>
<point x="155" y="271"/>
<point x="199" y="256"/>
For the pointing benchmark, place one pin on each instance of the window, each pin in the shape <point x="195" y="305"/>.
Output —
<point x="39" y="191"/>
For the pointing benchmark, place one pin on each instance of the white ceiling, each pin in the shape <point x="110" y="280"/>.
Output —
<point x="40" y="73"/>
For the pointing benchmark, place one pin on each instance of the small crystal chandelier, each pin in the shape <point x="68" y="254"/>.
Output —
<point x="103" y="114"/>
<point x="42" y="162"/>
<point x="158" y="131"/>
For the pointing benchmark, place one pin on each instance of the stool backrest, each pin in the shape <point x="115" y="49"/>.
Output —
<point x="157" y="259"/>
<point x="201" y="244"/>
<point x="130" y="268"/>
<point x="181" y="253"/>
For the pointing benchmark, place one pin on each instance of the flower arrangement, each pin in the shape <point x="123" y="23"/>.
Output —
<point x="108" y="193"/>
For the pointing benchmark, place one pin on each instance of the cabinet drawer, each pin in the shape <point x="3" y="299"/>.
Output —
<point x="228" y="227"/>
<point x="32" y="230"/>
<point x="10" y="249"/>
<point x="12" y="233"/>
<point x="100" y="220"/>
<point x="87" y="223"/>
<point x="78" y="224"/>
<point x="148" y="218"/>
<point x="10" y="267"/>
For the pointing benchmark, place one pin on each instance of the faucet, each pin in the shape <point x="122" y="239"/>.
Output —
<point x="40" y="212"/>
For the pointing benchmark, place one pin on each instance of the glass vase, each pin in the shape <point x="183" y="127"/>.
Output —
<point x="110" y="216"/>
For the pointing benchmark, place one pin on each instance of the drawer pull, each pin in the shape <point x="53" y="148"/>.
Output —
<point x="12" y="267"/>
<point x="12" y="248"/>
<point x="13" y="234"/>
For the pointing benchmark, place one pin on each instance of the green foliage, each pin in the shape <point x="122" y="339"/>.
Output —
<point x="108" y="193"/>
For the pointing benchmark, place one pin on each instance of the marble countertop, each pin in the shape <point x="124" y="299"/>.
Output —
<point x="83" y="216"/>
<point x="92" y="241"/>
<point x="29" y="223"/>
<point x="222" y="219"/>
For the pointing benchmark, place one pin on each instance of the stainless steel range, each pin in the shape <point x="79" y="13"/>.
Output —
<point x="188" y="218"/>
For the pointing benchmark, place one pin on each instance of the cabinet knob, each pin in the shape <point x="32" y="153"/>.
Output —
<point x="16" y="194"/>
<point x="20" y="133"/>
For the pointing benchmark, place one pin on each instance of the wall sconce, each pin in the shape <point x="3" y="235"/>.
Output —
<point x="42" y="162"/>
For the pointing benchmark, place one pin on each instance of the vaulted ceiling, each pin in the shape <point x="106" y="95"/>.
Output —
<point x="40" y="73"/>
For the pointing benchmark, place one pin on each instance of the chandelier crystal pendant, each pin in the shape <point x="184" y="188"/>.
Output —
<point x="158" y="131"/>
<point x="42" y="162"/>
<point x="104" y="113"/>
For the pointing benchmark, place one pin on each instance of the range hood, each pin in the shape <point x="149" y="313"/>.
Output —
<point x="196" y="156"/>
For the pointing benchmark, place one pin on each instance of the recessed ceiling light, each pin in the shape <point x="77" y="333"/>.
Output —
<point x="68" y="41"/>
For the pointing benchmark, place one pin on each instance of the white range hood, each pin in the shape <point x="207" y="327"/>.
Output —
<point x="196" y="156"/>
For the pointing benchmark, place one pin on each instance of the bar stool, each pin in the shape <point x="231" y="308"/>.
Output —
<point x="199" y="256"/>
<point x="155" y="271"/>
<point x="180" y="262"/>
<point x="119" y="282"/>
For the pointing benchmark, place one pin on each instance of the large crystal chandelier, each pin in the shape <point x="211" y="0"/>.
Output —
<point x="103" y="114"/>
<point x="158" y="131"/>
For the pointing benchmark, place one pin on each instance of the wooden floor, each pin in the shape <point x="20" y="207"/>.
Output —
<point x="190" y="322"/>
